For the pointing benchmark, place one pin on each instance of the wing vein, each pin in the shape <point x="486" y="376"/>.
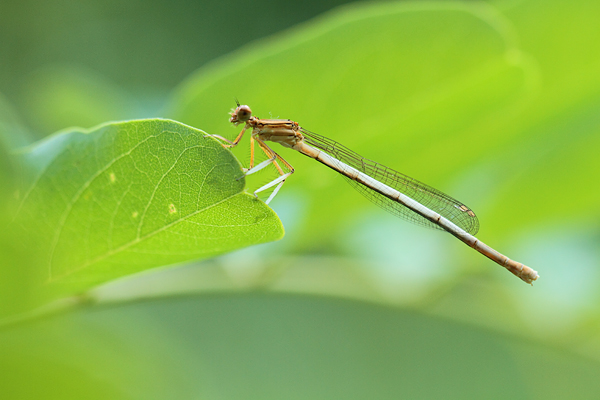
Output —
<point x="446" y="206"/>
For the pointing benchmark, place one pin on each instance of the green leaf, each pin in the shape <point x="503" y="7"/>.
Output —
<point x="280" y="346"/>
<point x="557" y="138"/>
<point x="499" y="110"/>
<point x="495" y="105"/>
<point x="130" y="196"/>
<point x="412" y="85"/>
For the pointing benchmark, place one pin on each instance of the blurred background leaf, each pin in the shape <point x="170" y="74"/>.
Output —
<point x="493" y="102"/>
<point x="273" y="346"/>
<point x="445" y="93"/>
<point x="422" y="112"/>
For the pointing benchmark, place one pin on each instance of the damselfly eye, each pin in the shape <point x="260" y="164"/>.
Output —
<point x="243" y="113"/>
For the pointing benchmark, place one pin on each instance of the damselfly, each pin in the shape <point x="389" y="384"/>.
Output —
<point x="391" y="190"/>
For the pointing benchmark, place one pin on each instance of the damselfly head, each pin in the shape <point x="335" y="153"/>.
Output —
<point x="240" y="115"/>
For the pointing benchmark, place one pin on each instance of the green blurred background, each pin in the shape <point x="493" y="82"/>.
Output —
<point x="496" y="103"/>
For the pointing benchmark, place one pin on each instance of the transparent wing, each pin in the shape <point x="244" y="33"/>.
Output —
<point x="446" y="206"/>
